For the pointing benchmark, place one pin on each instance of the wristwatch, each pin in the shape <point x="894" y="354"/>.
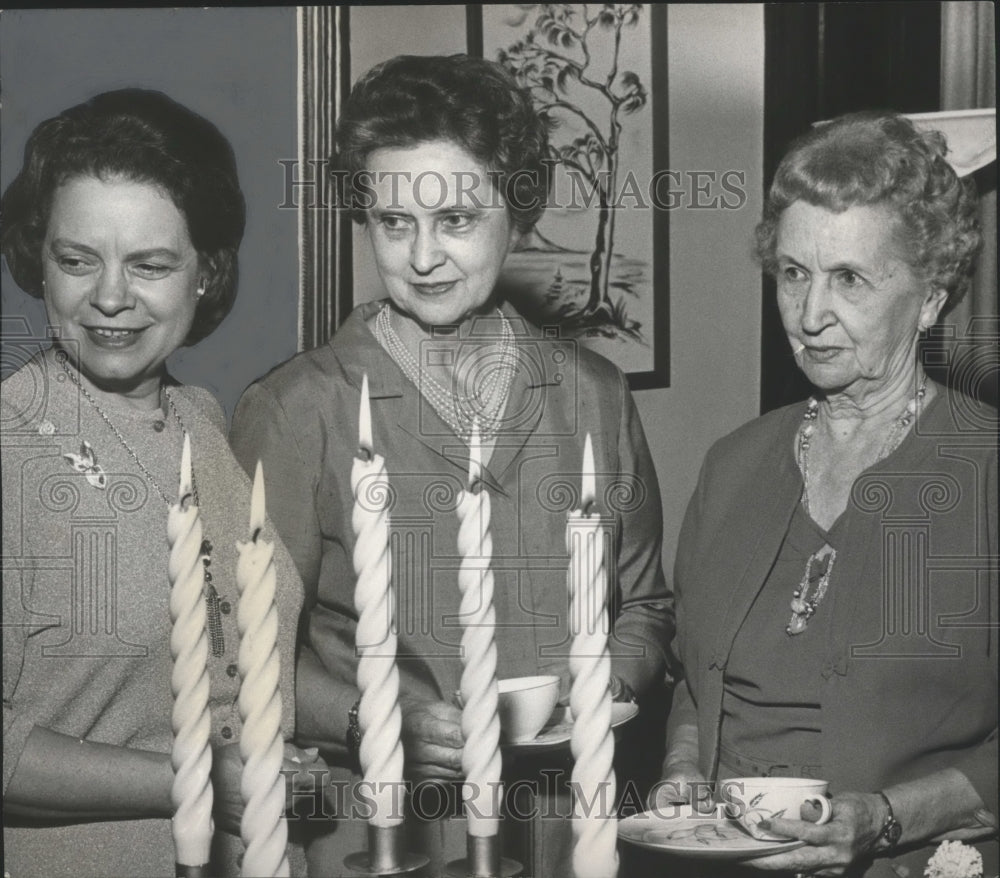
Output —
<point x="891" y="831"/>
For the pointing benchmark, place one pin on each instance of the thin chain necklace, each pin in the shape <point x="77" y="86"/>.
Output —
<point x="211" y="595"/>
<point x="819" y="565"/>
<point x="61" y="357"/>
<point x="484" y="405"/>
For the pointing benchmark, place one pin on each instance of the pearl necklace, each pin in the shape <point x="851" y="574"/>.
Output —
<point x="485" y="405"/>
<point x="804" y="604"/>
<point x="211" y="595"/>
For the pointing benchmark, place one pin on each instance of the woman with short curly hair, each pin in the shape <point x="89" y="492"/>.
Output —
<point x="469" y="101"/>
<point x="145" y="137"/>
<point x="877" y="158"/>
<point x="836" y="578"/>
<point x="445" y="164"/>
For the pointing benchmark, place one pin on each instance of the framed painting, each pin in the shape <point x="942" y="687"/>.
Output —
<point x="597" y="263"/>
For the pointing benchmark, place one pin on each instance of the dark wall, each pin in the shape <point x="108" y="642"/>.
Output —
<point x="235" y="66"/>
<point x="822" y="60"/>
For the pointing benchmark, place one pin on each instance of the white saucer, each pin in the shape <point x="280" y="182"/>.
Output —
<point x="559" y="730"/>
<point x="678" y="830"/>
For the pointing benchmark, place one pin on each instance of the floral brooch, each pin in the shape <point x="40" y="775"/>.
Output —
<point x="86" y="462"/>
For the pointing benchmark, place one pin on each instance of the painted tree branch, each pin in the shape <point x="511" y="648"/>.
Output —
<point x="548" y="72"/>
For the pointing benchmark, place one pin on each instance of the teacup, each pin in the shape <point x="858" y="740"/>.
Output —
<point x="526" y="703"/>
<point x="750" y="800"/>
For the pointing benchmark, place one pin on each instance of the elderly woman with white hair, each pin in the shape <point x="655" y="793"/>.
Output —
<point x="836" y="576"/>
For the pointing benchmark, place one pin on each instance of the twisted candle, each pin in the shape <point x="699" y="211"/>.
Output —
<point x="381" y="752"/>
<point x="481" y="762"/>
<point x="191" y="755"/>
<point x="262" y="786"/>
<point x="595" y="830"/>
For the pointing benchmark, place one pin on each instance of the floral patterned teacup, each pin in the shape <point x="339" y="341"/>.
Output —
<point x="753" y="799"/>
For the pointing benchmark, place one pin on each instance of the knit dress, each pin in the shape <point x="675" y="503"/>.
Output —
<point x="86" y="648"/>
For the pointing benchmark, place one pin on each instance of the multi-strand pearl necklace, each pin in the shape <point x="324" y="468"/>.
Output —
<point x="806" y="599"/>
<point x="485" y="405"/>
<point x="211" y="595"/>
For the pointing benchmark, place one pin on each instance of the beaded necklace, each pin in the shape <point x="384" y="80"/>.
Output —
<point x="484" y="405"/>
<point x="819" y="566"/>
<point x="211" y="595"/>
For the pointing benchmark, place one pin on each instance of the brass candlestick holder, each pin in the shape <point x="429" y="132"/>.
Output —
<point x="386" y="854"/>
<point x="182" y="871"/>
<point x="483" y="860"/>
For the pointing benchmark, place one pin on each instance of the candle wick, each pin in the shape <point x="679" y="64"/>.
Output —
<point x="365" y="454"/>
<point x="256" y="534"/>
<point x="187" y="498"/>
<point x="476" y="486"/>
<point x="588" y="508"/>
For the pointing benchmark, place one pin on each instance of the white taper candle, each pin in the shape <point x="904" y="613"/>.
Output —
<point x="262" y="786"/>
<point x="595" y="828"/>
<point x="379" y="718"/>
<point x="481" y="761"/>
<point x="191" y="755"/>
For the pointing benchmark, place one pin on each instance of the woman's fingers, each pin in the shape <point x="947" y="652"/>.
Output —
<point x="227" y="771"/>
<point x="830" y="847"/>
<point x="827" y="833"/>
<point x="804" y="861"/>
<point x="442" y="723"/>
<point x="808" y="860"/>
<point x="432" y="738"/>
<point x="429" y="754"/>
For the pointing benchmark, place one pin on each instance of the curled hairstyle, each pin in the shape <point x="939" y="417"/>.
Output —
<point x="474" y="103"/>
<point x="144" y="137"/>
<point x="881" y="159"/>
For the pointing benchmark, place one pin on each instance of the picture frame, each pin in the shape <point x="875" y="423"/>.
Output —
<point x="621" y="308"/>
<point x="597" y="264"/>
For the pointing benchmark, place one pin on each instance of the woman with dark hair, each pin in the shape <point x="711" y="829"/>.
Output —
<point x="126" y="218"/>
<point x="445" y="170"/>
<point x="836" y="573"/>
<point x="141" y="136"/>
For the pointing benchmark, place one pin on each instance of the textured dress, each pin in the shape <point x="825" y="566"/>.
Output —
<point x="85" y="598"/>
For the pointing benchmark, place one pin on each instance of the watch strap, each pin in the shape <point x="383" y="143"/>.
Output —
<point x="889" y="835"/>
